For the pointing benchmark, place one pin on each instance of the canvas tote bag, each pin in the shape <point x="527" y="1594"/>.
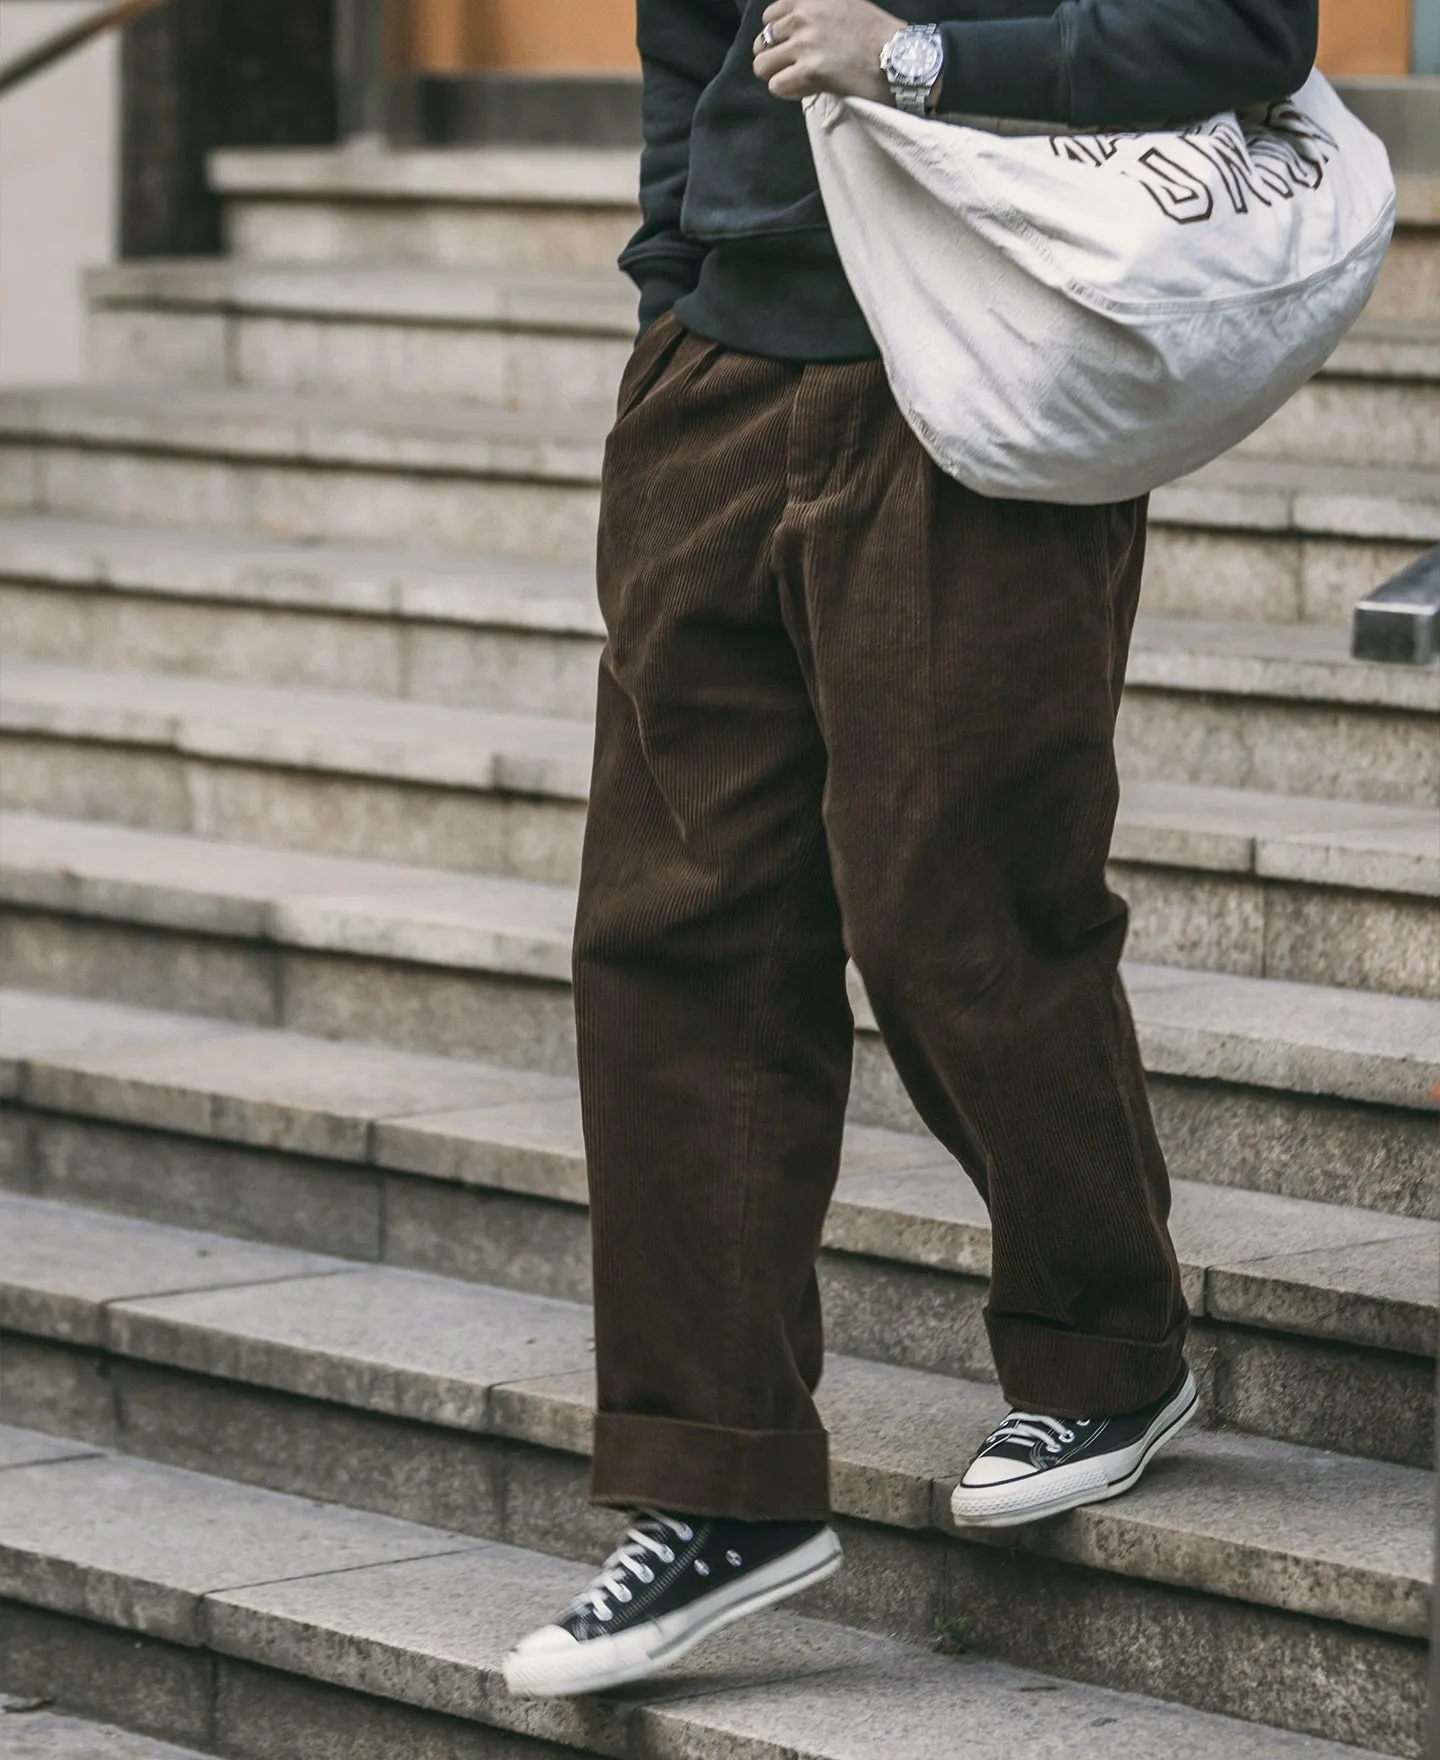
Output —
<point x="1081" y="317"/>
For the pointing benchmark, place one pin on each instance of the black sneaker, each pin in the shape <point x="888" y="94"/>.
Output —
<point x="672" y="1582"/>
<point x="1034" y="1466"/>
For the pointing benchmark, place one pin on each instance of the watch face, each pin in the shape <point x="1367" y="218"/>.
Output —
<point x="917" y="59"/>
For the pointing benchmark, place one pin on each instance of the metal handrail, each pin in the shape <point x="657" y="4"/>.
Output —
<point x="29" y="62"/>
<point x="1400" y="621"/>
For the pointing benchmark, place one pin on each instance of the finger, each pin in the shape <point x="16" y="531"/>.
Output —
<point x="776" y="12"/>
<point x="770" y="38"/>
<point x="794" y="82"/>
<point x="773" y="61"/>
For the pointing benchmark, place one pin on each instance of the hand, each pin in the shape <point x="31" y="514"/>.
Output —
<point x="826" y="46"/>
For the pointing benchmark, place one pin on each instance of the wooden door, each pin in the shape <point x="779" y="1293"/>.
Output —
<point x="1365" y="36"/>
<point x="598" y="36"/>
<point x="518" y="36"/>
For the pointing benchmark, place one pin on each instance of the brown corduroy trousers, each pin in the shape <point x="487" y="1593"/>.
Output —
<point x="846" y="705"/>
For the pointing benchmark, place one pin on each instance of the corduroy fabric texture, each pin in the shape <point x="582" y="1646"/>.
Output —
<point x="846" y="705"/>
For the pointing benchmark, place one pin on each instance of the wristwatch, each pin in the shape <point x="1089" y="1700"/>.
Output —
<point x="913" y="61"/>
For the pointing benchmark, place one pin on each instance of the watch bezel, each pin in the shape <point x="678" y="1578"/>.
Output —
<point x="914" y="36"/>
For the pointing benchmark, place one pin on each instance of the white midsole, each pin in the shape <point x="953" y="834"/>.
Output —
<point x="1037" y="1495"/>
<point x="598" y="1663"/>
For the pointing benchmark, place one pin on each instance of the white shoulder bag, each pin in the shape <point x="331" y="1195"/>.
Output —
<point x="1081" y="317"/>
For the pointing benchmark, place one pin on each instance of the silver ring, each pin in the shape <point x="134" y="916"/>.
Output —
<point x="767" y="36"/>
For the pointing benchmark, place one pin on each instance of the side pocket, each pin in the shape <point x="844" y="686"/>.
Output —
<point x="650" y="357"/>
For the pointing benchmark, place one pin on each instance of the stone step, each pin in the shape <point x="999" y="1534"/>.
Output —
<point x="1218" y="702"/>
<point x="511" y="632"/>
<point x="563" y="208"/>
<point x="1264" y="538"/>
<point x="299" y="465"/>
<point x="521" y="338"/>
<point x="1363" y="1153"/>
<point x="31" y="1732"/>
<point x="1278" y="707"/>
<point x="1318" y="891"/>
<point x="524" y="634"/>
<point x="305" y="769"/>
<point x="1278" y="541"/>
<point x="1377" y="402"/>
<point x="469" y="1407"/>
<point x="442" y="961"/>
<point x="593" y="304"/>
<point x="505" y="336"/>
<point x="1409" y="285"/>
<point x="285" y="1628"/>
<point x="487" y="925"/>
<point x="1320" y="1330"/>
<point x="447" y="962"/>
<point x="543" y="207"/>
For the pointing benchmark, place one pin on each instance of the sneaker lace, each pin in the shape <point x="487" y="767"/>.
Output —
<point x="649" y="1538"/>
<point x="1035" y="1427"/>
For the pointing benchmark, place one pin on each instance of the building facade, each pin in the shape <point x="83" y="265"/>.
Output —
<point x="1358" y="37"/>
<point x="104" y="155"/>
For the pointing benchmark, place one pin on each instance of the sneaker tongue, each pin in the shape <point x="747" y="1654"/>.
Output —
<point x="1012" y="1448"/>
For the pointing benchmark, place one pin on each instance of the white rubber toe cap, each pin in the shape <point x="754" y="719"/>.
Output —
<point x="534" y="1659"/>
<point x="547" y="1641"/>
<point x="991" y="1471"/>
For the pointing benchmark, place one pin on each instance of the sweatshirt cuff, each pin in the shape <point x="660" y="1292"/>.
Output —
<point x="660" y="288"/>
<point x="662" y="279"/>
<point x="1013" y="68"/>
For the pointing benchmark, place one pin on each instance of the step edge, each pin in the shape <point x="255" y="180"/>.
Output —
<point x="94" y="1083"/>
<point x="533" y="1412"/>
<point x="493" y="753"/>
<point x="1366" y="510"/>
<point x="81" y="887"/>
<point x="491" y="1706"/>
<point x="1405" y="356"/>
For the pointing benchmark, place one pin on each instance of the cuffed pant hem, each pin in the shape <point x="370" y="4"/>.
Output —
<point x="706" y="1470"/>
<point x="1077" y="1374"/>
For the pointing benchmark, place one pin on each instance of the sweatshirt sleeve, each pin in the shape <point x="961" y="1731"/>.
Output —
<point x="1126" y="63"/>
<point x="682" y="46"/>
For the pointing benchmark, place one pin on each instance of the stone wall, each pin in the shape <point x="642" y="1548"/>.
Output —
<point x="57" y="193"/>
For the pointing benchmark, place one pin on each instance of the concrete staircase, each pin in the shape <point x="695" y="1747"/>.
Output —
<point x="300" y="643"/>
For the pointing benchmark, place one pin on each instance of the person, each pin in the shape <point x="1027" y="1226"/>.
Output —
<point x="848" y="707"/>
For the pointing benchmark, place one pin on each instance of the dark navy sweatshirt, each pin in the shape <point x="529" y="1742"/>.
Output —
<point x="734" y="234"/>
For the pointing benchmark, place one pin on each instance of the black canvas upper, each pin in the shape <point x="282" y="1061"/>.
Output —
<point x="715" y="1554"/>
<point x="734" y="232"/>
<point x="1043" y="1443"/>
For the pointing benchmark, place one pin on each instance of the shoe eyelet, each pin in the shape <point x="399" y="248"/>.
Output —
<point x="604" y="1615"/>
<point x="666" y="1555"/>
<point x="686" y="1533"/>
<point x="733" y="1558"/>
<point x="1067" y="1435"/>
<point x="645" y="1574"/>
<point x="701" y="1568"/>
<point x="1052" y="1448"/>
<point x="623" y="1595"/>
